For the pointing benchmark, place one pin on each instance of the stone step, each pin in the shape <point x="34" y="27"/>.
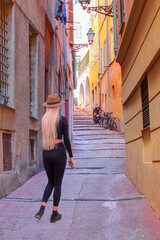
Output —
<point x="82" y="117"/>
<point x="87" y="125"/>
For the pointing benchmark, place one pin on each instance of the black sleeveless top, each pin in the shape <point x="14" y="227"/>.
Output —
<point x="62" y="129"/>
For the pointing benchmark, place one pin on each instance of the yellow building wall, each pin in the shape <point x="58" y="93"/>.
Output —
<point x="142" y="49"/>
<point x="94" y="64"/>
<point x="142" y="146"/>
<point x="114" y="69"/>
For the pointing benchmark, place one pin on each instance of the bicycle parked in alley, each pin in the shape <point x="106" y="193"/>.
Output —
<point x="108" y="121"/>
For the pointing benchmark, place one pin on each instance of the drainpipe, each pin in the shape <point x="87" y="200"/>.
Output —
<point x="109" y="99"/>
<point x="65" y="71"/>
<point x="74" y="69"/>
<point x="115" y="27"/>
<point x="99" y="56"/>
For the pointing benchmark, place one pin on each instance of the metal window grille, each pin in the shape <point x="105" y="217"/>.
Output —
<point x="109" y="47"/>
<point x="32" y="67"/>
<point x="83" y="64"/>
<point x="122" y="12"/>
<point x="7" y="152"/>
<point x="70" y="18"/>
<point x="46" y="84"/>
<point x="30" y="71"/>
<point x="145" y="103"/>
<point x="3" y="52"/>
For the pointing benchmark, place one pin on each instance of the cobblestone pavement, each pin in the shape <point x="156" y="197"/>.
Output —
<point x="98" y="200"/>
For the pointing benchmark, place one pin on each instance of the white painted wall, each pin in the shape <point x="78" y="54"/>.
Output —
<point x="83" y="80"/>
<point x="81" y="21"/>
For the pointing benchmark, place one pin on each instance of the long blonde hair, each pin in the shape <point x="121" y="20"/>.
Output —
<point x="50" y="121"/>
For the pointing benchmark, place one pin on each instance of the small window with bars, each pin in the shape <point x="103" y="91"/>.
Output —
<point x="7" y="152"/>
<point x="3" y="53"/>
<point x="33" y="148"/>
<point x="145" y="103"/>
<point x="33" y="68"/>
<point x="109" y="47"/>
<point x="46" y="93"/>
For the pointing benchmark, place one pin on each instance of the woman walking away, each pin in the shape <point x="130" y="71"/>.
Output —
<point x="54" y="154"/>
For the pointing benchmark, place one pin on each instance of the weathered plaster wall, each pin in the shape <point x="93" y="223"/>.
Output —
<point x="17" y="120"/>
<point x="142" y="147"/>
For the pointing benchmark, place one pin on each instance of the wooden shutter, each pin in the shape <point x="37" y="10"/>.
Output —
<point x="32" y="147"/>
<point x="70" y="19"/>
<point x="7" y="152"/>
<point x="145" y="103"/>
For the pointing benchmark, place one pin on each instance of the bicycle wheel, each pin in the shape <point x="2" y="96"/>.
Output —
<point x="100" y="122"/>
<point x="114" y="126"/>
<point x="104" y="123"/>
<point x="109" y="122"/>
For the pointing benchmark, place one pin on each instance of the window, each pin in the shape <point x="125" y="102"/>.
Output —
<point x="105" y="54"/>
<point x="7" y="152"/>
<point x="59" y="83"/>
<point x="102" y="61"/>
<point x="92" y="55"/>
<point x="98" y="42"/>
<point x="122" y="12"/>
<point x="100" y="65"/>
<point x="109" y="47"/>
<point x="145" y="103"/>
<point x="33" y="72"/>
<point x="33" y="147"/>
<point x="103" y="57"/>
<point x="78" y="31"/>
<point x="46" y="93"/>
<point x="4" y="84"/>
<point x="95" y="55"/>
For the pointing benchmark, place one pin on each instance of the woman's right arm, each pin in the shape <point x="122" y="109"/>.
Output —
<point x="68" y="143"/>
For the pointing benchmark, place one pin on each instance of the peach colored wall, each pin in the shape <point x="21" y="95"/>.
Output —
<point x="115" y="90"/>
<point x="16" y="119"/>
<point x="142" y="59"/>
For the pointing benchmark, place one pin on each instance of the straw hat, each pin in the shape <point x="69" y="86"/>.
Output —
<point x="53" y="100"/>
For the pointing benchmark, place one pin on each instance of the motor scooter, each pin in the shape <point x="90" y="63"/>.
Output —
<point x="96" y="114"/>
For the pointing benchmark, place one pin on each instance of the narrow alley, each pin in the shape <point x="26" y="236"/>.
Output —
<point x="98" y="200"/>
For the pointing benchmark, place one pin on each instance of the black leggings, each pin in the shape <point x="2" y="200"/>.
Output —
<point x="54" y="163"/>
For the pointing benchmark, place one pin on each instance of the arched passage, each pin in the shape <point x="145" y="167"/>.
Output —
<point x="81" y="96"/>
<point x="87" y="95"/>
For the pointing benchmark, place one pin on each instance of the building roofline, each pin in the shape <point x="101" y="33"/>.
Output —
<point x="134" y="16"/>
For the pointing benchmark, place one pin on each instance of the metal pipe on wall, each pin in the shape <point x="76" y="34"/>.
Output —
<point x="115" y="27"/>
<point x="65" y="70"/>
<point x="109" y="98"/>
<point x="99" y="57"/>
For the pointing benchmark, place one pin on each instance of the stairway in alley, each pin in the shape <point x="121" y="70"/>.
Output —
<point x="94" y="140"/>
<point x="98" y="201"/>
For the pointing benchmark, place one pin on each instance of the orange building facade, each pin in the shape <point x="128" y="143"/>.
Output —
<point x="105" y="72"/>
